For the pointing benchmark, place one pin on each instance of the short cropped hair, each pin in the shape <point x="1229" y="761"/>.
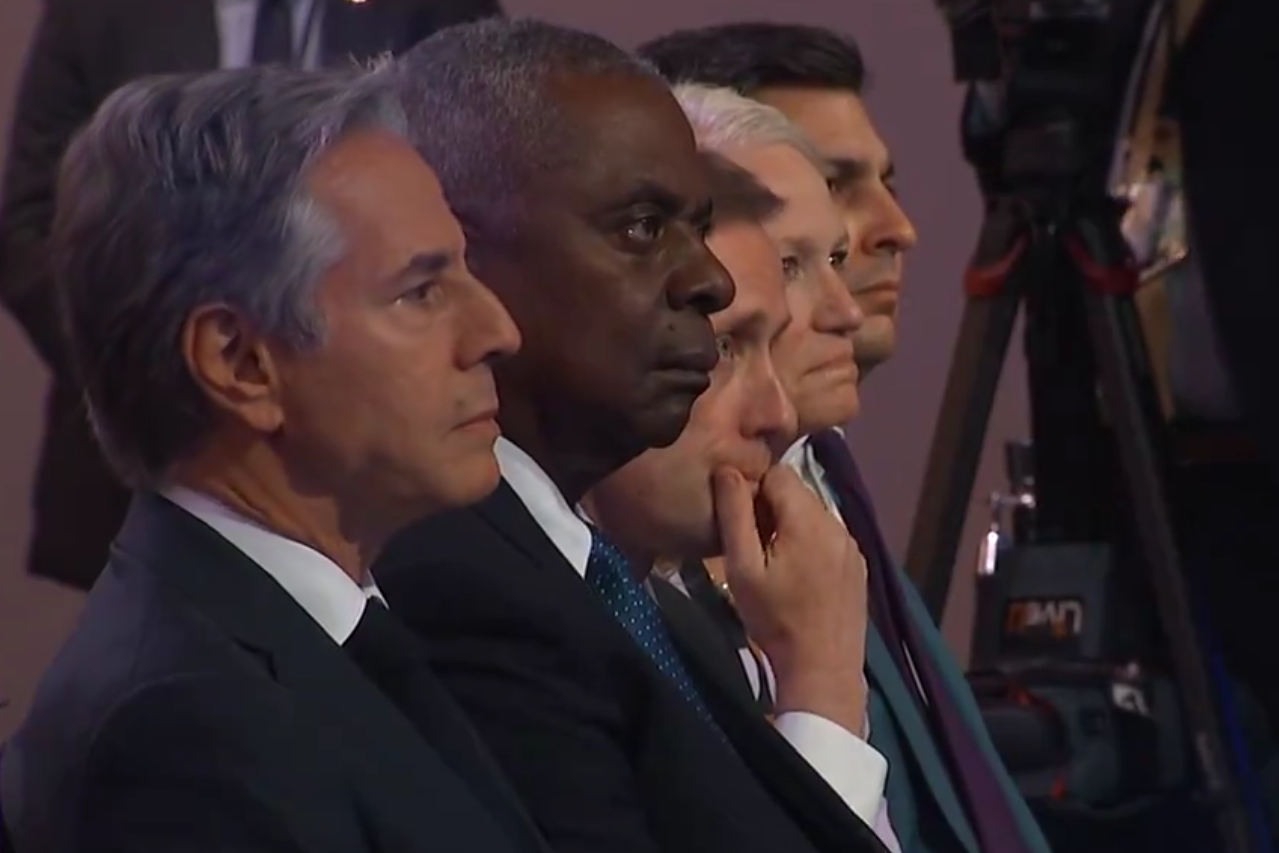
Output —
<point x="724" y="121"/>
<point x="482" y="111"/>
<point x="183" y="191"/>
<point x="751" y="56"/>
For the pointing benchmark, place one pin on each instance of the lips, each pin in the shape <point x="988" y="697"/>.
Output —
<point x="701" y="360"/>
<point x="885" y="287"/>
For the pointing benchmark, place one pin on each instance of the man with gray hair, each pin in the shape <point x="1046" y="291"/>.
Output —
<point x="287" y="358"/>
<point x="586" y="205"/>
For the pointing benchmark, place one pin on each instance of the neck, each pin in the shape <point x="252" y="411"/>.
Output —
<point x="253" y="482"/>
<point x="641" y="560"/>
<point x="574" y="451"/>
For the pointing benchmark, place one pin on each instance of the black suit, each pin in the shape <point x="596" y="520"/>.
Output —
<point x="1224" y="95"/>
<point x="83" y="50"/>
<point x="197" y="707"/>
<point x="607" y="756"/>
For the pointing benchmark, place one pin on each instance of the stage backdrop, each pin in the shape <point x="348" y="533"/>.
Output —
<point x="915" y="104"/>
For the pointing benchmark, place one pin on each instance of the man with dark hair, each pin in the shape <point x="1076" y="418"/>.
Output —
<point x="259" y="277"/>
<point x="82" y="51"/>
<point x="586" y="207"/>
<point x="946" y="789"/>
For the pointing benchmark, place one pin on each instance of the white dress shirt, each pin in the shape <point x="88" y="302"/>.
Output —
<point x="800" y="456"/>
<point x="237" y="20"/>
<point x="848" y="764"/>
<point x="328" y="595"/>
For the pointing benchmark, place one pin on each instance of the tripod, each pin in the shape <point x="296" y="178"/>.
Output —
<point x="1061" y="255"/>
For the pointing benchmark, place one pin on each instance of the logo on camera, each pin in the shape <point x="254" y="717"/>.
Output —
<point x="1044" y="619"/>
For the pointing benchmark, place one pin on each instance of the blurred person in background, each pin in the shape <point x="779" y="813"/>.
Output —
<point x="82" y="51"/>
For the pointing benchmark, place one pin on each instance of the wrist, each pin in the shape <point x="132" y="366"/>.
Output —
<point x="837" y="695"/>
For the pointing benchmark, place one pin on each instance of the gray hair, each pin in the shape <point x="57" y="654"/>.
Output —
<point x="724" y="121"/>
<point x="482" y="114"/>
<point x="188" y="190"/>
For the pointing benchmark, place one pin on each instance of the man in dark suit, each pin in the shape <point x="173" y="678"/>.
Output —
<point x="585" y="203"/>
<point x="83" y="50"/>
<point x="946" y="789"/>
<point x="259" y="276"/>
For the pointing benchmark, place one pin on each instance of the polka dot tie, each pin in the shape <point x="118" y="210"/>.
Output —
<point x="609" y="573"/>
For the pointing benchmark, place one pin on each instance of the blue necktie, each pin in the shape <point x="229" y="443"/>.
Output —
<point x="609" y="573"/>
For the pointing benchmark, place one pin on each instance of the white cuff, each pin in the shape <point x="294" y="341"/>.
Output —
<point x="850" y="765"/>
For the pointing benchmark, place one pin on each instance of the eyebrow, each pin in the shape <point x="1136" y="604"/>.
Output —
<point x="425" y="264"/>
<point x="800" y="245"/>
<point x="671" y="204"/>
<point x="850" y="170"/>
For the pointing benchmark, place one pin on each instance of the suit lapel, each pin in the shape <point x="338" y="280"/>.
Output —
<point x="885" y="676"/>
<point x="696" y="635"/>
<point x="217" y="579"/>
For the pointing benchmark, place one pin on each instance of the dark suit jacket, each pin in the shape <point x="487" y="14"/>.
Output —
<point x="196" y="707"/>
<point x="605" y="753"/>
<point x="1228" y="149"/>
<point x="83" y="50"/>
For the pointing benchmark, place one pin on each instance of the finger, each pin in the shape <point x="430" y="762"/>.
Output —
<point x="735" y="517"/>
<point x="786" y="497"/>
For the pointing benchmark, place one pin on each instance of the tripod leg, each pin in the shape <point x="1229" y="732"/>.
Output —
<point x="994" y="294"/>
<point x="1129" y="396"/>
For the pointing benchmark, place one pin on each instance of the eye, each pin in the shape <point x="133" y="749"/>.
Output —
<point x="790" y="267"/>
<point x="727" y="347"/>
<point x="838" y="259"/>
<point x="645" y="230"/>
<point x="418" y="294"/>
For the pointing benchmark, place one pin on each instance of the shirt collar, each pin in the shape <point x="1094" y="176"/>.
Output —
<point x="560" y="522"/>
<point x="316" y="583"/>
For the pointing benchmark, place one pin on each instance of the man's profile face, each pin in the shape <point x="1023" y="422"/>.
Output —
<point x="397" y="408"/>
<point x="815" y="355"/>
<point x="661" y="501"/>
<point x="607" y="272"/>
<point x="837" y="122"/>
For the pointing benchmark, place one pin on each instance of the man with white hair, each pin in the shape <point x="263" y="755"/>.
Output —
<point x="261" y="283"/>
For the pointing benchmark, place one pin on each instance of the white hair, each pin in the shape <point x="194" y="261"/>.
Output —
<point x="724" y="121"/>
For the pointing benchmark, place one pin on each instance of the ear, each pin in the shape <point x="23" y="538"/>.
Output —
<point x="231" y="362"/>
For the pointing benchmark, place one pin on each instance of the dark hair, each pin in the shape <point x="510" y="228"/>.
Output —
<point x="752" y="56"/>
<point x="736" y="194"/>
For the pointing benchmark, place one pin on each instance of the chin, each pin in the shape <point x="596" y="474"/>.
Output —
<point x="466" y="481"/>
<point x="661" y="423"/>
<point x="875" y="342"/>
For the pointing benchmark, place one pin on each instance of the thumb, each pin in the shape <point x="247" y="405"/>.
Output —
<point x="735" y="517"/>
<point x="785" y="495"/>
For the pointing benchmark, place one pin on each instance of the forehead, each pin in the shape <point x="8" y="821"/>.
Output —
<point x="808" y="212"/>
<point x="836" y="121"/>
<point x="745" y="250"/>
<point x="387" y="202"/>
<point x="619" y="134"/>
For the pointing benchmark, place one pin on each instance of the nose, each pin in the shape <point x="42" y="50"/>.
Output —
<point x="769" y="414"/>
<point x="702" y="284"/>
<point x="887" y="230"/>
<point x="836" y="312"/>
<point x="489" y="331"/>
